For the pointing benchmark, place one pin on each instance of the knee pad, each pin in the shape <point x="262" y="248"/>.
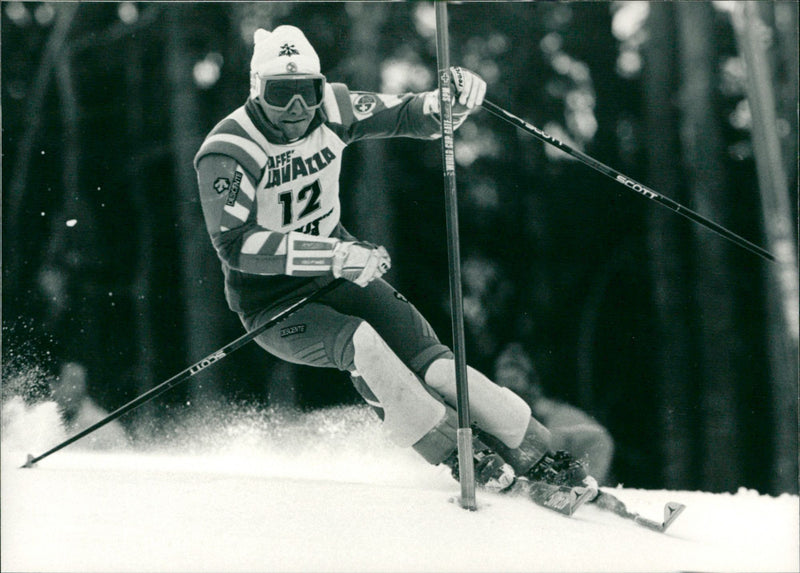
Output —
<point x="409" y="410"/>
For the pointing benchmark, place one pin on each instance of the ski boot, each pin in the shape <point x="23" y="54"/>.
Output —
<point x="561" y="469"/>
<point x="492" y="473"/>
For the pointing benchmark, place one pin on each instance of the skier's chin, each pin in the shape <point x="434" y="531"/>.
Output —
<point x="295" y="129"/>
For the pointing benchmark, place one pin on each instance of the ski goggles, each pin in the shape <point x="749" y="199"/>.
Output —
<point x="281" y="93"/>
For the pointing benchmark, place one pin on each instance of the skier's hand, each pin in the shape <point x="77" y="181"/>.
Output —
<point x="469" y="86"/>
<point x="360" y="262"/>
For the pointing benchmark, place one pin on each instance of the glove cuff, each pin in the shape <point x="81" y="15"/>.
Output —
<point x="307" y="255"/>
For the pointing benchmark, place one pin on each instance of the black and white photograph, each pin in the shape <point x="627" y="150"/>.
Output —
<point x="399" y="286"/>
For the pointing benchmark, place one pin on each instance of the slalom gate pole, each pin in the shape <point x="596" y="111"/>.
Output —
<point x="190" y="371"/>
<point x="642" y="190"/>
<point x="466" y="468"/>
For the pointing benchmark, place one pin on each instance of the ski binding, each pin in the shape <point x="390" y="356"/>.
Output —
<point x="562" y="499"/>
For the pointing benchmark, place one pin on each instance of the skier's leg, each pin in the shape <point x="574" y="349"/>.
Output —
<point x="410" y="412"/>
<point x="414" y="341"/>
<point x="413" y="415"/>
<point x="386" y="353"/>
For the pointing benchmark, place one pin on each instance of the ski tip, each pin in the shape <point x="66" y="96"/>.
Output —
<point x="29" y="463"/>
<point x="671" y="512"/>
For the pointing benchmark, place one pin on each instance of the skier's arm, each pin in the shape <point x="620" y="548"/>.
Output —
<point x="227" y="194"/>
<point x="368" y="115"/>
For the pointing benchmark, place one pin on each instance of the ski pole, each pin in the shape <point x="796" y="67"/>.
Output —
<point x="464" y="431"/>
<point x="642" y="190"/>
<point x="190" y="371"/>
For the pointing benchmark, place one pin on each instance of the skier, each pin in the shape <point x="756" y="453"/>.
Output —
<point x="268" y="178"/>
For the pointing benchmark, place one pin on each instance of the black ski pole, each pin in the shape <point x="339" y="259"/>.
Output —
<point x="642" y="190"/>
<point x="190" y="371"/>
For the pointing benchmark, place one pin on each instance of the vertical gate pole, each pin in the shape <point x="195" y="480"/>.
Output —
<point x="464" y="432"/>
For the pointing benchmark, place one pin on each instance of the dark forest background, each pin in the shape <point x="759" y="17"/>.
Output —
<point x="683" y="345"/>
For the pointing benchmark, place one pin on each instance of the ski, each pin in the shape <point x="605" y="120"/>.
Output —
<point x="613" y="504"/>
<point x="562" y="499"/>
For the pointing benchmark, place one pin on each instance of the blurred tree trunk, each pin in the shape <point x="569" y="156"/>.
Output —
<point x="674" y="355"/>
<point x="72" y="250"/>
<point x="782" y="278"/>
<point x="720" y="343"/>
<point x="370" y="196"/>
<point x="786" y="18"/>
<point x="198" y="291"/>
<point x="71" y="138"/>
<point x="15" y="194"/>
<point x="142" y="289"/>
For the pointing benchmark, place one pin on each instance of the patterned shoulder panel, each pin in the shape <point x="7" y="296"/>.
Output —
<point x="237" y="137"/>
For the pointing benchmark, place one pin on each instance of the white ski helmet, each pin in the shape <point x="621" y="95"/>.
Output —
<point x="283" y="52"/>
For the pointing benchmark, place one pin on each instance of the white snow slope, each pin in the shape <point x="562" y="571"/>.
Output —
<point x="248" y="490"/>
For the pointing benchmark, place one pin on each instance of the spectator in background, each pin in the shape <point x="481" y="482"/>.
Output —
<point x="79" y="411"/>
<point x="572" y="429"/>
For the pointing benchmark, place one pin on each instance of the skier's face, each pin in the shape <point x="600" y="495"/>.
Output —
<point x="294" y="121"/>
<point x="291" y="102"/>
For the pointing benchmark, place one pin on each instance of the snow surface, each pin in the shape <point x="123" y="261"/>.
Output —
<point x="242" y="489"/>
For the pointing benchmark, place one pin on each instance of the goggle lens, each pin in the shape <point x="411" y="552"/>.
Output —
<point x="280" y="93"/>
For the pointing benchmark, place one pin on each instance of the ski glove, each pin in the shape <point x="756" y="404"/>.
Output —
<point x="360" y="262"/>
<point x="469" y="86"/>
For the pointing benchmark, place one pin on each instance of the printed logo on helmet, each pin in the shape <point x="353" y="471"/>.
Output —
<point x="221" y="185"/>
<point x="365" y="103"/>
<point x="288" y="50"/>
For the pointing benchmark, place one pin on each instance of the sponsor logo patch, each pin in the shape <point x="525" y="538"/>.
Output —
<point x="234" y="191"/>
<point x="221" y="185"/>
<point x="294" y="329"/>
<point x="365" y="103"/>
